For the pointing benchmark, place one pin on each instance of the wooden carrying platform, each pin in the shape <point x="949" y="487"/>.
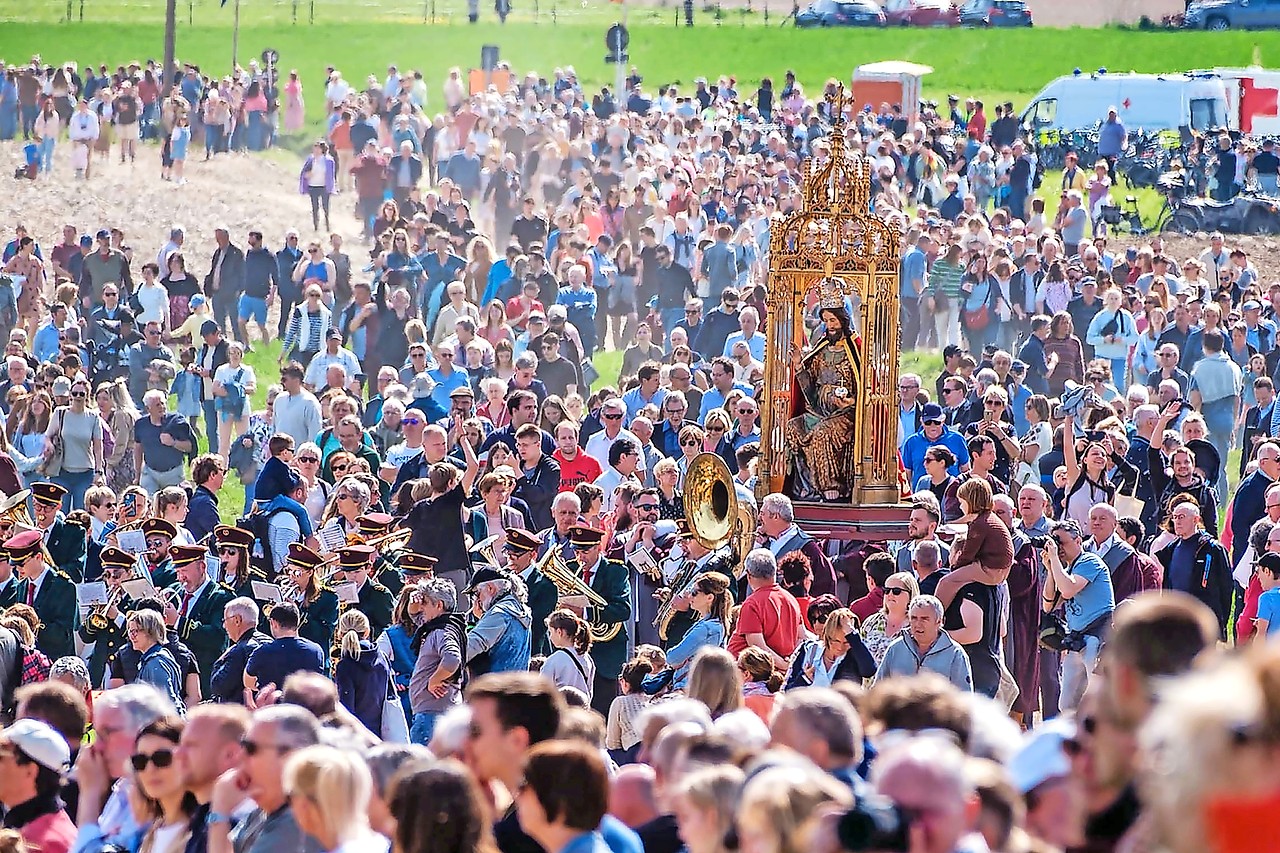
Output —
<point x="865" y="523"/>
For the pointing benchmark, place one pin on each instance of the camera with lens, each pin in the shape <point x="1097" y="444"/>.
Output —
<point x="874" y="823"/>
<point x="1038" y="541"/>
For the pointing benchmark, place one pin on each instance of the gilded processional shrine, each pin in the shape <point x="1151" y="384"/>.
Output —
<point x="829" y="423"/>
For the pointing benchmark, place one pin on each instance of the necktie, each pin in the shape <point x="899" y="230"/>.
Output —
<point x="186" y="602"/>
<point x="31" y="594"/>
<point x="587" y="575"/>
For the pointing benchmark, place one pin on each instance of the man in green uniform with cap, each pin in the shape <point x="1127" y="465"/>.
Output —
<point x="49" y="591"/>
<point x="197" y="618"/>
<point x="65" y="541"/>
<point x="375" y="600"/>
<point x="609" y="580"/>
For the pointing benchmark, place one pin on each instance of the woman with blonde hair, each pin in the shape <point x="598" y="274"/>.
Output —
<point x="839" y="654"/>
<point x="361" y="675"/>
<point x="329" y="791"/>
<point x="714" y="680"/>
<point x="779" y="807"/>
<point x="350" y="500"/>
<point x="118" y="412"/>
<point x="884" y="626"/>
<point x="570" y="665"/>
<point x="703" y="803"/>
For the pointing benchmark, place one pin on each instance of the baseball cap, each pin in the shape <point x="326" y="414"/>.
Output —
<point x="1042" y="757"/>
<point x="331" y="334"/>
<point x="40" y="743"/>
<point x="62" y="387"/>
<point x="103" y="234"/>
<point x="930" y="412"/>
<point x="1252" y="305"/>
<point x="208" y="327"/>
<point x="86" y="240"/>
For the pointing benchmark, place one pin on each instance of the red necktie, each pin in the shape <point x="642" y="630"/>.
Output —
<point x="31" y="593"/>
<point x="586" y="575"/>
<point x="186" y="601"/>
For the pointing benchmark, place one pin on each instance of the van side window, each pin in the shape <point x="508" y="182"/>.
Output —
<point x="1204" y="114"/>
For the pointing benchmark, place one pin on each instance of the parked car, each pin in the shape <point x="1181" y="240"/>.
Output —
<point x="841" y="13"/>
<point x="922" y="13"/>
<point x="995" y="13"/>
<point x="1232" y="14"/>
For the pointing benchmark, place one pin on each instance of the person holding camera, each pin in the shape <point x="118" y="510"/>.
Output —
<point x="1076" y="582"/>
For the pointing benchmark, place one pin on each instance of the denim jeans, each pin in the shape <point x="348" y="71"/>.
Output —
<point x="423" y="726"/>
<point x="46" y="153"/>
<point x="1219" y="417"/>
<point x="76" y="483"/>
<point x="1076" y="668"/>
<point x="1117" y="373"/>
<point x="210" y="425"/>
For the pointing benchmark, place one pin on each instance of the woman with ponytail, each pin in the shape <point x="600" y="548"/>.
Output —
<point x="712" y="600"/>
<point x="570" y="665"/>
<point x="362" y="675"/>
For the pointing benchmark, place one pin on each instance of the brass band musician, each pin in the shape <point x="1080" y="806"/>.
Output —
<point x="65" y="540"/>
<point x="521" y="549"/>
<point x="232" y="545"/>
<point x="609" y="580"/>
<point x="105" y="626"/>
<point x="375" y="600"/>
<point x="46" y="589"/>
<point x="8" y="579"/>
<point x="160" y="535"/>
<point x="194" y="610"/>
<point x="386" y="568"/>
<point x="317" y="603"/>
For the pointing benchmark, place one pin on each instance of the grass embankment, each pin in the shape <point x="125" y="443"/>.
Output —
<point x="363" y="38"/>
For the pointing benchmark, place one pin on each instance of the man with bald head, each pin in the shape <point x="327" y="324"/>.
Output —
<point x="1119" y="556"/>
<point x="926" y="776"/>
<point x="1250" y="501"/>
<point x="1032" y="502"/>
<point x="631" y="795"/>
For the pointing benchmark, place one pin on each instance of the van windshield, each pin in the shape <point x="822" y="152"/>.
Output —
<point x="1206" y="114"/>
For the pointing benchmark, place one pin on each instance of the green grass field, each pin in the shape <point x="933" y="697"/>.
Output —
<point x="361" y="39"/>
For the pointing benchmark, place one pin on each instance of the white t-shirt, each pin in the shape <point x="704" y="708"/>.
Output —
<point x="154" y="299"/>
<point x="226" y="374"/>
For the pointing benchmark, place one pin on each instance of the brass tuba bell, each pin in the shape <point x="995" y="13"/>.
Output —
<point x="716" y="517"/>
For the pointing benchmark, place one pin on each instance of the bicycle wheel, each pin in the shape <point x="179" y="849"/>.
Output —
<point x="1181" y="222"/>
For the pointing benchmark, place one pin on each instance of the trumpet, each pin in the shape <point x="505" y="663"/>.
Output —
<point x="97" y="618"/>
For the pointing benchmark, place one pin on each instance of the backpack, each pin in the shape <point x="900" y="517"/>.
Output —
<point x="259" y="524"/>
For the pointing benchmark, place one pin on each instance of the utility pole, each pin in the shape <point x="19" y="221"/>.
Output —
<point x="170" y="43"/>
<point x="235" y="38"/>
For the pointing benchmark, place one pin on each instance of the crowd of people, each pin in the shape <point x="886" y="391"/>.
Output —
<point x="465" y="570"/>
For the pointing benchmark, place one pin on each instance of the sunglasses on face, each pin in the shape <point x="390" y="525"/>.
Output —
<point x="411" y="421"/>
<point x="615" y="417"/>
<point x="226" y="551"/>
<point x="344" y="466"/>
<point x="896" y="590"/>
<point x="309" y="460"/>
<point x="689" y="443"/>
<point x="161" y="758"/>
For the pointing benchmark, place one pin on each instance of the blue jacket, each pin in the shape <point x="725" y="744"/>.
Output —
<point x="913" y="450"/>
<point x="1248" y="505"/>
<point x="362" y="685"/>
<point x="502" y="632"/>
<point x="705" y="632"/>
<point x="202" y="513"/>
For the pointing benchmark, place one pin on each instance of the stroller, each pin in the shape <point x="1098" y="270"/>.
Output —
<point x="31" y="168"/>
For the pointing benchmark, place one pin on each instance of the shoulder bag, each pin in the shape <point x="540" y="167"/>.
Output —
<point x="52" y="466"/>
<point x="395" y="726"/>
